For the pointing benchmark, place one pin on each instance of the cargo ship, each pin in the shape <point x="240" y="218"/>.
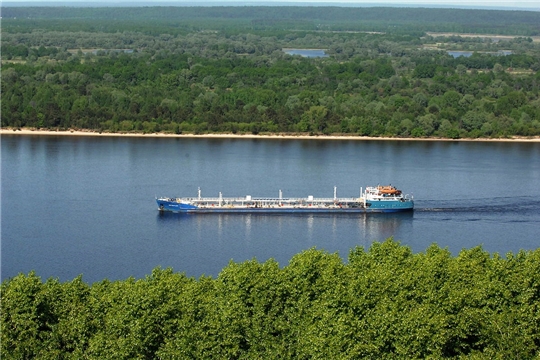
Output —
<point x="382" y="199"/>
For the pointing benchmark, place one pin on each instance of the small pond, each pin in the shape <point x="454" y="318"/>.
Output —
<point x="311" y="53"/>
<point x="456" y="53"/>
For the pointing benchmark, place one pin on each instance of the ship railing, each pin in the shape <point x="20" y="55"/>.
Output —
<point x="270" y="199"/>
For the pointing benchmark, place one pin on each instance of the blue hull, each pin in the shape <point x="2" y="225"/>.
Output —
<point x="372" y="207"/>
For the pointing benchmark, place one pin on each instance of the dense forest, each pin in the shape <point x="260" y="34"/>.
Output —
<point x="393" y="19"/>
<point x="383" y="303"/>
<point x="224" y="69"/>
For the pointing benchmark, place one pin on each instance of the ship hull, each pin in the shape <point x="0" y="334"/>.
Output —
<point x="371" y="207"/>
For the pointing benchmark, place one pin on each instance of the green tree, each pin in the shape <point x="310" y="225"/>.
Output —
<point x="315" y="117"/>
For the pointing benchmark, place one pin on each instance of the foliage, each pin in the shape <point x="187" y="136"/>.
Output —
<point x="385" y="302"/>
<point x="200" y="70"/>
<point x="295" y="17"/>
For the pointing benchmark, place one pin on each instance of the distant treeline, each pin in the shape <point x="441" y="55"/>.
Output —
<point x="384" y="303"/>
<point x="158" y="76"/>
<point x="525" y="23"/>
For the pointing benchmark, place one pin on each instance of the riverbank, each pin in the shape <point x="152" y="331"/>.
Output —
<point x="7" y="131"/>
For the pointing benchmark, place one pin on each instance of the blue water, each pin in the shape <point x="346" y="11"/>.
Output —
<point x="85" y="205"/>
<point x="311" y="53"/>
<point x="457" y="53"/>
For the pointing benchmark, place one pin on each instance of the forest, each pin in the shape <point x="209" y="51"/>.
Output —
<point x="226" y="70"/>
<point x="383" y="303"/>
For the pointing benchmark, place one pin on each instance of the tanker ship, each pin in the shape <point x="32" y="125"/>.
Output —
<point x="382" y="199"/>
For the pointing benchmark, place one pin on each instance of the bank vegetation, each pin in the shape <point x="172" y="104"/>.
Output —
<point x="383" y="303"/>
<point x="224" y="71"/>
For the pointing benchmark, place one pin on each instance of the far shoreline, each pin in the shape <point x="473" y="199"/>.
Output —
<point x="42" y="132"/>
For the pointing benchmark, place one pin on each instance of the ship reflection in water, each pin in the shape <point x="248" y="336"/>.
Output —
<point x="327" y="231"/>
<point x="383" y="226"/>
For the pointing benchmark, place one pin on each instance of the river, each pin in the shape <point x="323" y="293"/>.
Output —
<point x="85" y="205"/>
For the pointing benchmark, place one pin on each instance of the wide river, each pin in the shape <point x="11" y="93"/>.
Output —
<point x="85" y="205"/>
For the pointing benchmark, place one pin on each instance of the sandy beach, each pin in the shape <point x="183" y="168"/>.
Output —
<point x="7" y="131"/>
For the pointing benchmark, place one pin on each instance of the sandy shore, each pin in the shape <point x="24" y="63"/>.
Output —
<point x="5" y="131"/>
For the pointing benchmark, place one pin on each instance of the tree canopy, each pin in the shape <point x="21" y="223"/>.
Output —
<point x="386" y="302"/>
<point x="225" y="70"/>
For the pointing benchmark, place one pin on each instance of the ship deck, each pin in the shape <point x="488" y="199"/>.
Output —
<point x="246" y="202"/>
<point x="371" y="200"/>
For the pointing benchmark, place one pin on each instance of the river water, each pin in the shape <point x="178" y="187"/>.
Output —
<point x="85" y="205"/>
